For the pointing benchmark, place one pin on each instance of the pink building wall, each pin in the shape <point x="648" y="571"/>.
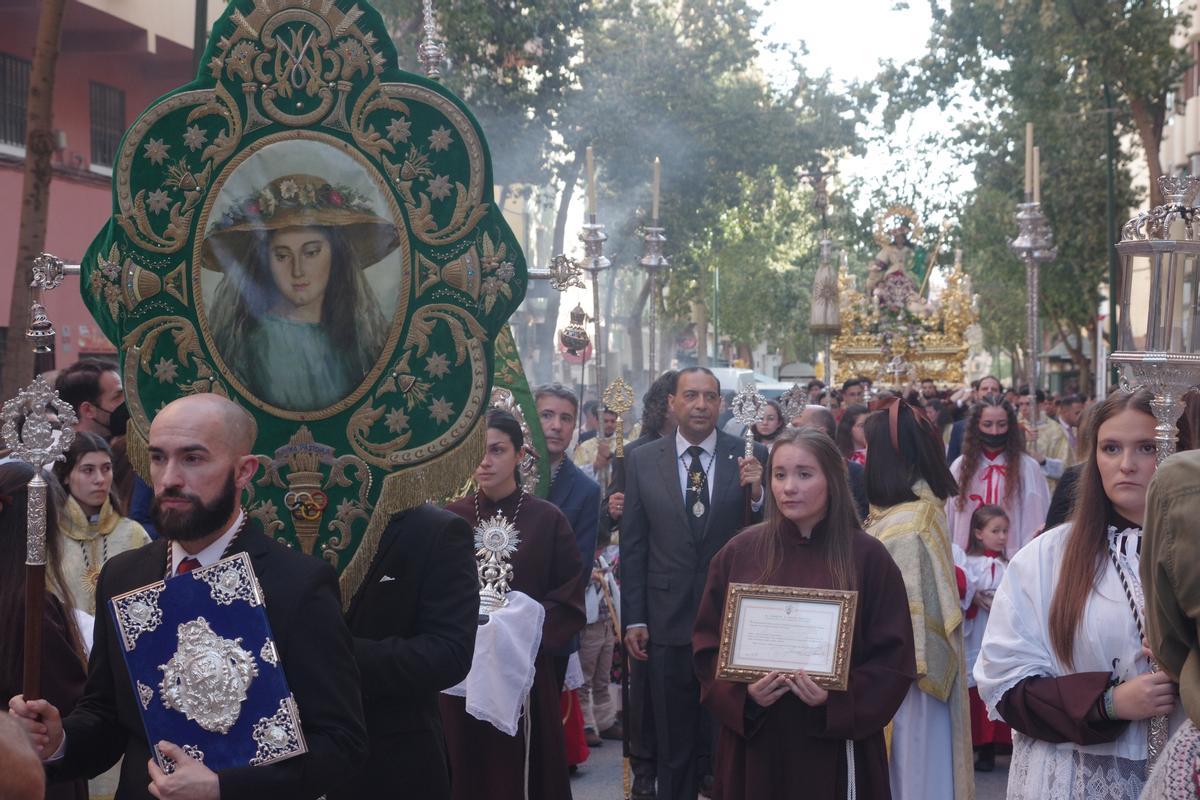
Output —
<point x="95" y="47"/>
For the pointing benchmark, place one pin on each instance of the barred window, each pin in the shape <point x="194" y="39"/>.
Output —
<point x="108" y="123"/>
<point x="14" y="92"/>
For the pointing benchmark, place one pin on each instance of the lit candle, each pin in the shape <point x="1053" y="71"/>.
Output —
<point x="657" y="184"/>
<point x="1028" y="159"/>
<point x="1037" y="174"/>
<point x="591" y="187"/>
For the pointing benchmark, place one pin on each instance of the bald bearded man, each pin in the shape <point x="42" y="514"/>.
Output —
<point x="199" y="464"/>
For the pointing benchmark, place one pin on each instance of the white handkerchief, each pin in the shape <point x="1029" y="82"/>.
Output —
<point x="386" y="578"/>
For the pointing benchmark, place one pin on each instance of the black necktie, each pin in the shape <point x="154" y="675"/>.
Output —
<point x="697" y="493"/>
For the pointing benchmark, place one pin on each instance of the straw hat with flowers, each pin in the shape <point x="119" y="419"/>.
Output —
<point x="300" y="201"/>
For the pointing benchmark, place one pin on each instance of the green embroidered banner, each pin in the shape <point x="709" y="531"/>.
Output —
<point x="311" y="231"/>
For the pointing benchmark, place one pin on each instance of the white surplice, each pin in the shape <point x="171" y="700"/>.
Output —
<point x="1026" y="512"/>
<point x="983" y="575"/>
<point x="1016" y="646"/>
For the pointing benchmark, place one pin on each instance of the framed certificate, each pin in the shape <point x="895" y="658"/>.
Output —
<point x="784" y="628"/>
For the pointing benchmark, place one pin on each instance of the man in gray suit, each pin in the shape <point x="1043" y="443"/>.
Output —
<point x="684" y="499"/>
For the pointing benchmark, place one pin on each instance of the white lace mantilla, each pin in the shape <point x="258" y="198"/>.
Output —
<point x="1044" y="771"/>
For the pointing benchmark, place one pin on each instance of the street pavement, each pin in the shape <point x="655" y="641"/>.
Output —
<point x="600" y="777"/>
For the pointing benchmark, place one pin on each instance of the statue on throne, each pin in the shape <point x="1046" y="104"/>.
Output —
<point x="896" y="276"/>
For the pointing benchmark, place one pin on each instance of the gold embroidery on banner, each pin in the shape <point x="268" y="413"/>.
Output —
<point x="439" y="477"/>
<point x="299" y="467"/>
<point x="467" y="335"/>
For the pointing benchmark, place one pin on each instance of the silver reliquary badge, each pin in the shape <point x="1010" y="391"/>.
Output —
<point x="207" y="678"/>
<point x="496" y="540"/>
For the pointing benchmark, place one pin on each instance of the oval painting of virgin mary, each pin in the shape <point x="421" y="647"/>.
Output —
<point x="302" y="271"/>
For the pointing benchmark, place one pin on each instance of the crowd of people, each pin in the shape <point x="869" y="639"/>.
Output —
<point x="1023" y="589"/>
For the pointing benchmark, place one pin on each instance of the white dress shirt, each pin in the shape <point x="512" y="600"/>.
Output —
<point x="684" y="460"/>
<point x="211" y="554"/>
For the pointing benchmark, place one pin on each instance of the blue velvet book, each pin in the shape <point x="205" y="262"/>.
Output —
<point x="205" y="669"/>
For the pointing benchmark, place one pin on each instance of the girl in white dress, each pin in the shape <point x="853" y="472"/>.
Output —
<point x="1062" y="659"/>
<point x="984" y="567"/>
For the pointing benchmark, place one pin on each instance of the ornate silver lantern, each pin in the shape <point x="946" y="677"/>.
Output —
<point x="1158" y="344"/>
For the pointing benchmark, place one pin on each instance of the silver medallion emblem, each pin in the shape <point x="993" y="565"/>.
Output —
<point x="496" y="540"/>
<point x="698" y="509"/>
<point x="207" y="678"/>
<point x="279" y="735"/>
<point x="137" y="612"/>
<point x="231" y="579"/>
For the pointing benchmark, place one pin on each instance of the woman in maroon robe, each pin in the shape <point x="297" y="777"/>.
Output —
<point x="783" y="735"/>
<point x="484" y="761"/>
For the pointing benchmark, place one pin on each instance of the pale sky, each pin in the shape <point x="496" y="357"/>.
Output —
<point x="849" y="39"/>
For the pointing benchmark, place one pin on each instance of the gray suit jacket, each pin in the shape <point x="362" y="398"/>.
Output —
<point x="663" y="566"/>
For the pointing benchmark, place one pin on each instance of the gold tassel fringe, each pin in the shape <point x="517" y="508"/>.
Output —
<point x="409" y="487"/>
<point x="137" y="450"/>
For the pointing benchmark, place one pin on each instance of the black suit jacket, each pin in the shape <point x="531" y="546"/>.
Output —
<point x="304" y="610"/>
<point x="663" y="567"/>
<point x="617" y="484"/>
<point x="578" y="498"/>
<point x="414" y="621"/>
<point x="958" y="432"/>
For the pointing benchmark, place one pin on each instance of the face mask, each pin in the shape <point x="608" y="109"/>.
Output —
<point x="994" y="441"/>
<point x="118" y="420"/>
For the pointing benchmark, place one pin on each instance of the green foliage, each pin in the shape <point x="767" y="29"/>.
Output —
<point x="643" y="78"/>
<point x="512" y="62"/>
<point x="767" y="254"/>
<point x="1074" y="168"/>
<point x="1014" y="53"/>
<point x="1045" y="61"/>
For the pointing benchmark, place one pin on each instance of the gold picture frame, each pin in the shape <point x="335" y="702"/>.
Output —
<point x="787" y="628"/>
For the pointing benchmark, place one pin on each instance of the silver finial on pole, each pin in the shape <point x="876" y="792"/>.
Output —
<point x="748" y="407"/>
<point x="595" y="262"/>
<point x="1035" y="246"/>
<point x="432" y="52"/>
<point x="29" y="434"/>
<point x="654" y="262"/>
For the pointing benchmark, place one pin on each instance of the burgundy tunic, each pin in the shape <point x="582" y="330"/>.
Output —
<point x="484" y="762"/>
<point x="790" y="749"/>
